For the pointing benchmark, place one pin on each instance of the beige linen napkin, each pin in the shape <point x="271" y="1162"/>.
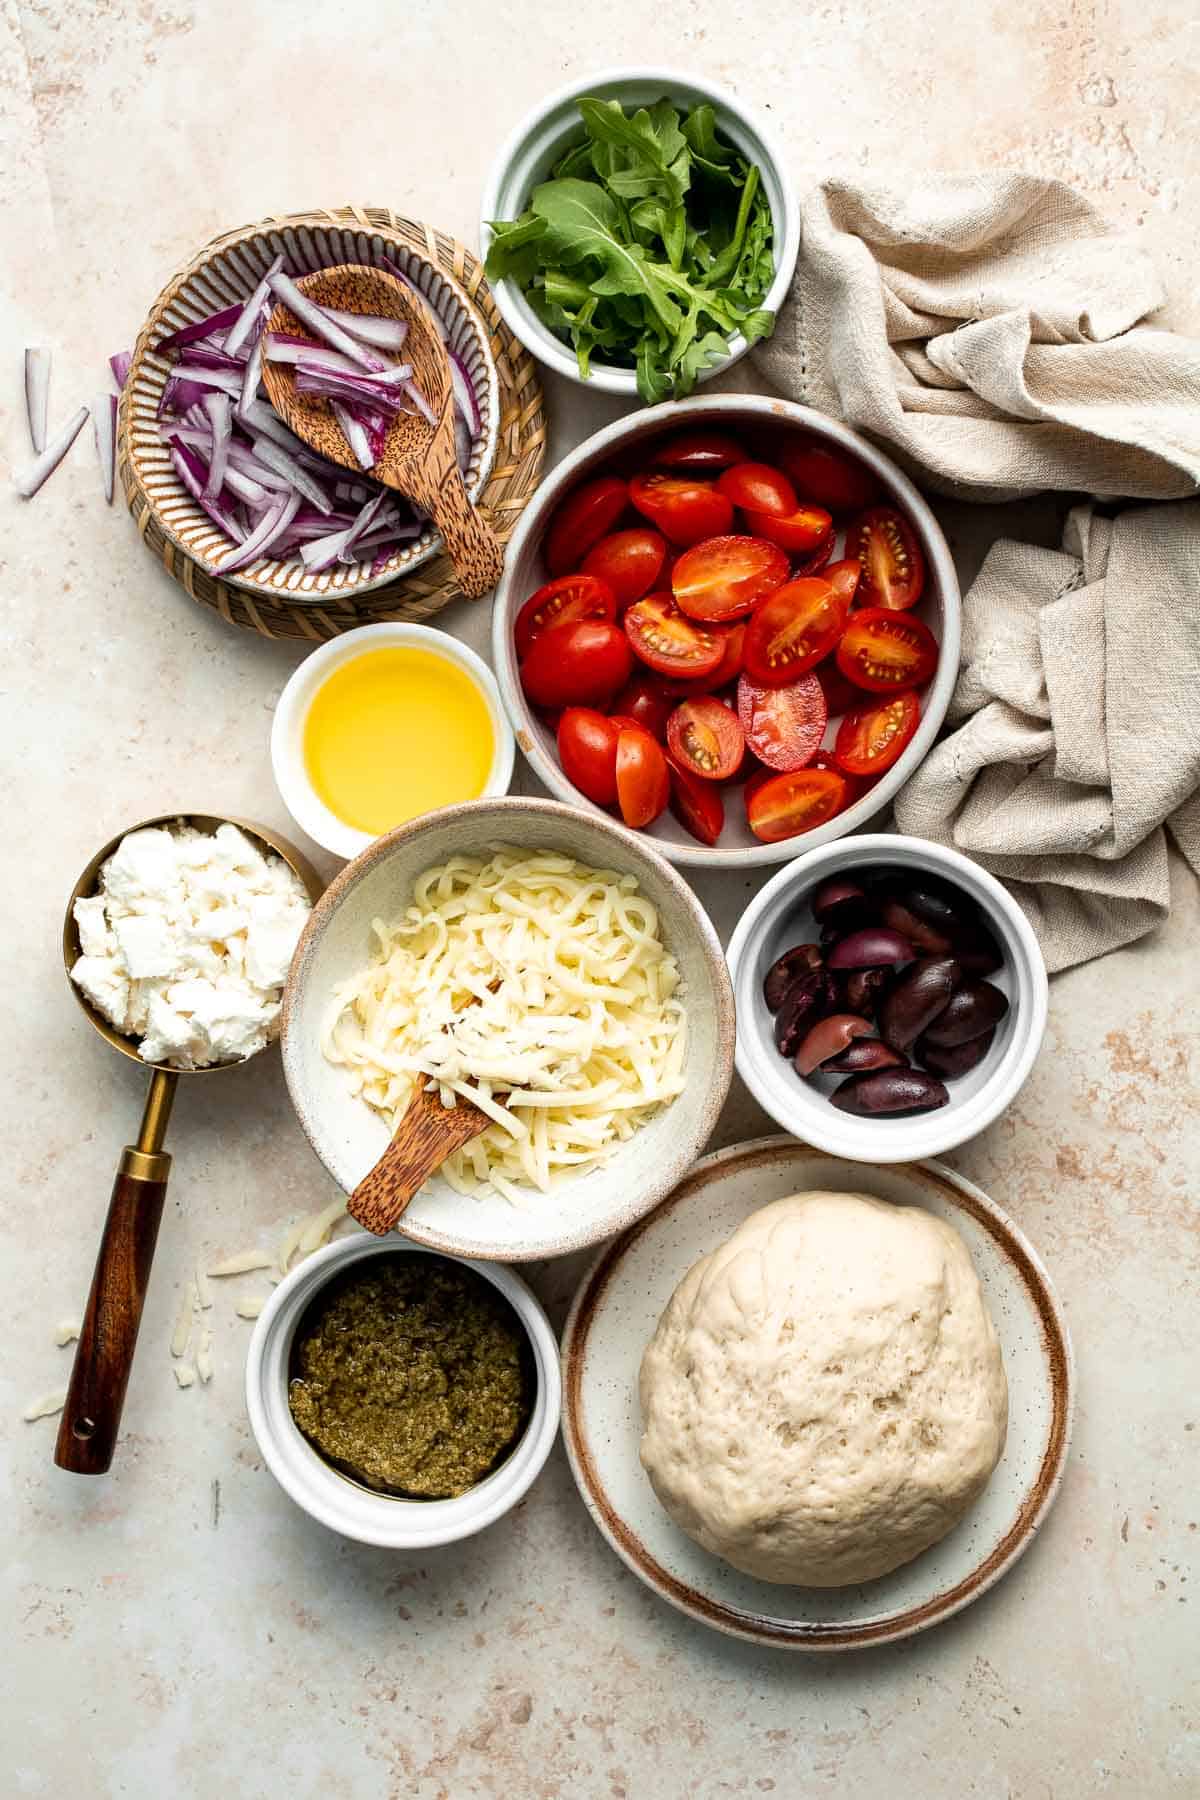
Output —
<point x="986" y="330"/>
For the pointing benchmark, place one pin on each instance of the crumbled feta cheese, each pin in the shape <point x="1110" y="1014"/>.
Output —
<point x="188" y="943"/>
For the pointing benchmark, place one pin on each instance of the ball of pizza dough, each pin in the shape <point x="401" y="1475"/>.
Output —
<point x="824" y="1396"/>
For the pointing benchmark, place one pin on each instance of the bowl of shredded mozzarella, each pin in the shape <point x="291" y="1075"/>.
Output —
<point x="546" y="966"/>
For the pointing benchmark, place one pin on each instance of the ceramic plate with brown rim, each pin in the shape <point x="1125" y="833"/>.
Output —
<point x="618" y="1306"/>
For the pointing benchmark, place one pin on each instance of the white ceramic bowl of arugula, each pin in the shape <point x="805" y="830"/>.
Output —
<point x="533" y="150"/>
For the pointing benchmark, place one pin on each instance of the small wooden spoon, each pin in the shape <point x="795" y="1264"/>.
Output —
<point x="418" y="458"/>
<point x="427" y="1134"/>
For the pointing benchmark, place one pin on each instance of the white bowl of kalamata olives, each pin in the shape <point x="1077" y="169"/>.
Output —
<point x="891" y="998"/>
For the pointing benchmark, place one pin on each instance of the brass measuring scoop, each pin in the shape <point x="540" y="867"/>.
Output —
<point x="91" y="1417"/>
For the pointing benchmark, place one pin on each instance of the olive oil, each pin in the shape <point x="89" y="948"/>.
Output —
<point x="395" y="733"/>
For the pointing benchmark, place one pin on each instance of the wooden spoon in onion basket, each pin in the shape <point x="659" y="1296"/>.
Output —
<point x="427" y="1134"/>
<point x="418" y="459"/>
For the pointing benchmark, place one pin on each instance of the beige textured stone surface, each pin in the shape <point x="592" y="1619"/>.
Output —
<point x="166" y="1636"/>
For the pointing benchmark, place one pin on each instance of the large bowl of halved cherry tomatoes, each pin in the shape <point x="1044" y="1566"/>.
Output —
<point x="731" y="623"/>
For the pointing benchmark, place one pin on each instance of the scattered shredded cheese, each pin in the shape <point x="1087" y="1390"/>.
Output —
<point x="244" y="1263"/>
<point x="534" y="986"/>
<point x="203" y="1291"/>
<point x="183" y="1319"/>
<point x="249" y="1306"/>
<point x="204" y="1367"/>
<point x="185" y="1375"/>
<point x="66" y="1331"/>
<point x="44" y="1406"/>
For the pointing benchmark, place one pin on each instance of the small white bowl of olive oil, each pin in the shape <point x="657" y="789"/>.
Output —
<point x="383" y="724"/>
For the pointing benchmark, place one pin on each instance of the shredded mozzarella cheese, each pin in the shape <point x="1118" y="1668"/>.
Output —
<point x="533" y="986"/>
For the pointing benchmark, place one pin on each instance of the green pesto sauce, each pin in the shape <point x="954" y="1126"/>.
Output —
<point x="412" y="1375"/>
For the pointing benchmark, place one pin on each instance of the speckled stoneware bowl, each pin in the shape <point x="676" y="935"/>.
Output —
<point x="614" y="1315"/>
<point x="349" y="1137"/>
<point x="229" y="270"/>
<point x="621" y="446"/>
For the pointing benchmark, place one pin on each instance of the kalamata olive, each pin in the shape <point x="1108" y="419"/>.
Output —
<point x="873" y="947"/>
<point x="808" y="999"/>
<point x="836" y="899"/>
<point x="890" y="1091"/>
<point x="781" y="974"/>
<point x="866" y="1053"/>
<point x="944" y="907"/>
<point x="916" y="999"/>
<point x="977" y="950"/>
<point x="974" y="1009"/>
<point x="828" y="1037"/>
<point x="958" y="1059"/>
<point x="863" y="990"/>
<point x="931" y="940"/>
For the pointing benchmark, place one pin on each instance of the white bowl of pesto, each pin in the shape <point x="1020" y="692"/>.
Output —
<point x="535" y="150"/>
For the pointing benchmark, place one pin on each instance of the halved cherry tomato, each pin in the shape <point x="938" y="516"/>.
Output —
<point x="587" y="749"/>
<point x="582" y="520"/>
<point x="647" y="703"/>
<point x="699" y="451"/>
<point x="805" y="528"/>
<point x="870" y="739"/>
<point x="643" y="785"/>
<point x="560" y="603"/>
<point x="828" y="478"/>
<point x="629" y="561"/>
<point x="789" y="633"/>
<point x="841" y="696"/>
<point x="788" y="804"/>
<point x="815" y="561"/>
<point x="704" y="738"/>
<point x="855" y="789"/>
<point x="757" y="487"/>
<point x="581" y="664"/>
<point x="684" y="508"/>
<point x="844" y="576"/>
<point x="893" y="568"/>
<point x="730" y="665"/>
<point x="783" y="725"/>
<point x="696" y="804"/>
<point x="723" y="577"/>
<point x="883" y="651"/>
<point x="669" y="642"/>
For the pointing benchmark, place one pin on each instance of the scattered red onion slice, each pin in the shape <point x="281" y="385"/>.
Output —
<point x="27" y="481"/>
<point x="355" y="435"/>
<point x="203" y="328"/>
<point x="120" y="365"/>
<point x="104" y="421"/>
<point x="37" y="396"/>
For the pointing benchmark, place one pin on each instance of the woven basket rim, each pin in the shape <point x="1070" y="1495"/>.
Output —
<point x="520" y="445"/>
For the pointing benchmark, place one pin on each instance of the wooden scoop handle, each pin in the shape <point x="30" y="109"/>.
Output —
<point x="91" y="1418"/>
<point x="473" y="547"/>
<point x="427" y="1134"/>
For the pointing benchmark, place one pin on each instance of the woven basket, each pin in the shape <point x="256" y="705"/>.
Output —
<point x="520" y="452"/>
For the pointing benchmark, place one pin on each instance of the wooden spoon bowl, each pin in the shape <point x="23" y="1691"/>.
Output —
<point x="418" y="458"/>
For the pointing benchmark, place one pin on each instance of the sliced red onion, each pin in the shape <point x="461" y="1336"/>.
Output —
<point x="283" y="347"/>
<point x="382" y="559"/>
<point x="229" y="381"/>
<point x="27" y="481"/>
<point x="464" y="393"/>
<point x="104" y="422"/>
<point x="354" y="434"/>
<point x="262" y="422"/>
<point x="120" y="365"/>
<point x="369" y="328"/>
<point x="419" y="401"/>
<point x="323" y="552"/>
<point x="271" y="526"/>
<point x="253" y="313"/>
<point x="218" y="409"/>
<point x="254" y="469"/>
<point x="192" y="471"/>
<point x="180" y="396"/>
<point x="203" y="328"/>
<point x="276" y="457"/>
<point x="204" y="356"/>
<point x="319" y="323"/>
<point x="339" y="387"/>
<point x="395" y="269"/>
<point x="37" y="396"/>
<point x="251" y="377"/>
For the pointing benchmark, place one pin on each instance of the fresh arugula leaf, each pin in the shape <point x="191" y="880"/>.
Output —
<point x="651" y="242"/>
